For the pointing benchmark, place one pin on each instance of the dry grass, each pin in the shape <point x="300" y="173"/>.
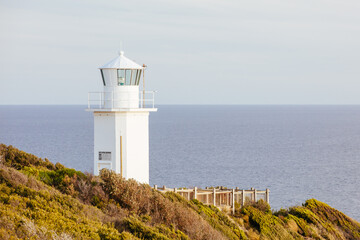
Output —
<point x="40" y="200"/>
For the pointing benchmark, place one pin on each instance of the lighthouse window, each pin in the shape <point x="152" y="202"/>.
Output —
<point x="102" y="75"/>
<point x="105" y="156"/>
<point x="133" y="77"/>
<point x="127" y="77"/>
<point x="121" y="77"/>
<point x="138" y="77"/>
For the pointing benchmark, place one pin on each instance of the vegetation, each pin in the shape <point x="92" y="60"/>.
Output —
<point x="42" y="200"/>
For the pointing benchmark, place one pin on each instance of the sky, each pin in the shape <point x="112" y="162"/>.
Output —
<point x="197" y="52"/>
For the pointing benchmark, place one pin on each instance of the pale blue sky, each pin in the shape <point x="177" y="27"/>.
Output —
<point x="197" y="52"/>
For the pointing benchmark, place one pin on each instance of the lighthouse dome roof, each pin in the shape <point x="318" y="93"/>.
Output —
<point x="121" y="62"/>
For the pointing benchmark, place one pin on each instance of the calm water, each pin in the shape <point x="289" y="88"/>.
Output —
<point x="298" y="152"/>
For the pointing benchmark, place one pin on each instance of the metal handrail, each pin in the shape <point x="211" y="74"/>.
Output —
<point x="100" y="100"/>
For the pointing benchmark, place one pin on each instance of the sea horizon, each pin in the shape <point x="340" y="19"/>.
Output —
<point x="297" y="151"/>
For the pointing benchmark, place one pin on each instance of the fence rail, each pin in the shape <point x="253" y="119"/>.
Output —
<point x="220" y="197"/>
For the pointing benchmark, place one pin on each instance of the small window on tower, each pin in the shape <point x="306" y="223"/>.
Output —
<point x="121" y="77"/>
<point x="138" y="77"/>
<point x="133" y="77"/>
<point x="127" y="76"/>
<point x="102" y="75"/>
<point x="105" y="156"/>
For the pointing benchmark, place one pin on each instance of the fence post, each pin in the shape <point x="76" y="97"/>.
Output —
<point x="233" y="201"/>
<point x="243" y="197"/>
<point x="255" y="197"/>
<point x="175" y="190"/>
<point x="112" y="99"/>
<point x="195" y="192"/>
<point x="164" y="188"/>
<point x="153" y="100"/>
<point x="102" y="100"/>
<point x="267" y="196"/>
<point x="155" y="187"/>
<point x="214" y="193"/>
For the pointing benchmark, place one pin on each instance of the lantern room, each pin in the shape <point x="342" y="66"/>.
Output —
<point x="121" y="78"/>
<point x="121" y="71"/>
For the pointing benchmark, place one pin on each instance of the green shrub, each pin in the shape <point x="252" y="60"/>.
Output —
<point x="40" y="200"/>
<point x="266" y="223"/>
<point x="140" y="230"/>
<point x="260" y="205"/>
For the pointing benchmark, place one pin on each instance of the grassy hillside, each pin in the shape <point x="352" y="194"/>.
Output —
<point x="40" y="200"/>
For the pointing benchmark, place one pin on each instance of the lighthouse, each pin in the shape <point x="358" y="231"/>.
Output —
<point x="121" y="119"/>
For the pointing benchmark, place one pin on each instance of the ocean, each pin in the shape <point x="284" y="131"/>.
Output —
<point x="298" y="152"/>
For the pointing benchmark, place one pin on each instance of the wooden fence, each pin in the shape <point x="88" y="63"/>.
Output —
<point x="220" y="197"/>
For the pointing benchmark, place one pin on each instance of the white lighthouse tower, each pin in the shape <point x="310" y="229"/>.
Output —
<point x="121" y="120"/>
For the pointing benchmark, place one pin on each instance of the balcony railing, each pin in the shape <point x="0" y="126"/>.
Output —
<point x="110" y="100"/>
